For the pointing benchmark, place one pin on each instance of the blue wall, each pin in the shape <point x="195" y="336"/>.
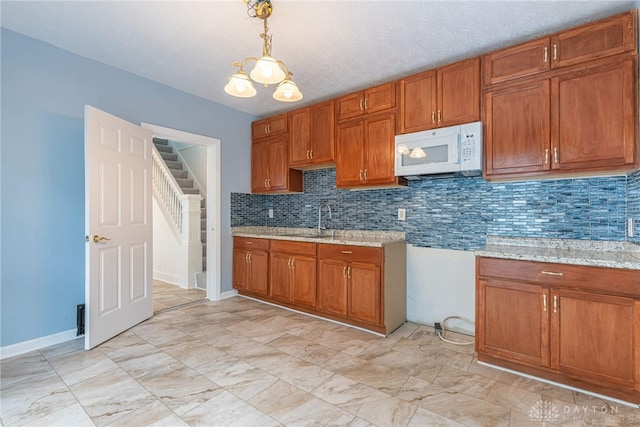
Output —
<point x="457" y="213"/>
<point x="44" y="90"/>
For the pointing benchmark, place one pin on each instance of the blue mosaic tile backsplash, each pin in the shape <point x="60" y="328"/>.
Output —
<point x="457" y="213"/>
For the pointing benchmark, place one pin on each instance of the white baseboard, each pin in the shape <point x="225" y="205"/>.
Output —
<point x="172" y="279"/>
<point x="37" y="343"/>
<point x="228" y="294"/>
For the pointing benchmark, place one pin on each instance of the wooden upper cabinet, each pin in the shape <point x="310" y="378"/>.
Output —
<point x="594" y="117"/>
<point x="312" y="136"/>
<point x="372" y="100"/>
<point x="299" y="137"/>
<point x="365" y="152"/>
<point x="418" y="102"/>
<point x="459" y="93"/>
<point x="270" y="170"/>
<point x="517" y="129"/>
<point x="517" y="61"/>
<point x="444" y="97"/>
<point x="275" y="125"/>
<point x="605" y="37"/>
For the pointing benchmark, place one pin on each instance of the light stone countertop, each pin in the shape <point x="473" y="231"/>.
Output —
<point x="341" y="237"/>
<point x="564" y="251"/>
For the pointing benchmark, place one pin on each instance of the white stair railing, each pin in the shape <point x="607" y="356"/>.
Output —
<point x="168" y="192"/>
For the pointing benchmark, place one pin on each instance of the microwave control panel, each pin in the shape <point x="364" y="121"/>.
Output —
<point x="470" y="147"/>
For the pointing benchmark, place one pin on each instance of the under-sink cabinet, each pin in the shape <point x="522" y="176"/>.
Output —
<point x="293" y="272"/>
<point x="577" y="325"/>
<point x="359" y="285"/>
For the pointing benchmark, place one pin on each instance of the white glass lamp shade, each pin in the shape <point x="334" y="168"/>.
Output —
<point x="417" y="153"/>
<point x="239" y="85"/>
<point x="267" y="71"/>
<point x="287" y="91"/>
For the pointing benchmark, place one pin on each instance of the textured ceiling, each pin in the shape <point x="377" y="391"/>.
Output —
<point x="331" y="47"/>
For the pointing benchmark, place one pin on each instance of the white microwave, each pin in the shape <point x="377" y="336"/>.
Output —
<point x="439" y="151"/>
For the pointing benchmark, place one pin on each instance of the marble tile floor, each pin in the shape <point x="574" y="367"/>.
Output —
<point x="166" y="295"/>
<point x="239" y="362"/>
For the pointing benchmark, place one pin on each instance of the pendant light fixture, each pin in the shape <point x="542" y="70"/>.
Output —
<point x="267" y="69"/>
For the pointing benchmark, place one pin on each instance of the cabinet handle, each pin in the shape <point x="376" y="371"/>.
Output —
<point x="289" y="263"/>
<point x="246" y="257"/>
<point x="439" y="116"/>
<point x="365" y="104"/>
<point x="307" y="154"/>
<point x="552" y="273"/>
<point x="348" y="272"/>
<point x="311" y="154"/>
<point x="249" y="256"/>
<point x="293" y="263"/>
<point x="344" y="271"/>
<point x="265" y="183"/>
<point x="365" y="174"/>
<point x="361" y="105"/>
<point x="555" y="52"/>
<point x="555" y="303"/>
<point x="266" y="132"/>
<point x="433" y="117"/>
<point x="555" y="155"/>
<point x="347" y="252"/>
<point x="360" y="174"/>
<point x="544" y="302"/>
<point x="546" y="54"/>
<point x="248" y="242"/>
<point x="546" y="156"/>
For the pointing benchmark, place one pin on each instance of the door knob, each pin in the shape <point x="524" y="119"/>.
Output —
<point x="98" y="239"/>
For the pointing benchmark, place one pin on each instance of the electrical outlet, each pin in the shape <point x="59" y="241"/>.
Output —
<point x="402" y="214"/>
<point x="270" y="213"/>
<point x="630" y="227"/>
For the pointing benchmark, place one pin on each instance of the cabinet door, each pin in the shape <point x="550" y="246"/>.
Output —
<point x="349" y="153"/>
<point x="380" y="98"/>
<point x="418" y="102"/>
<point x="364" y="292"/>
<point x="379" y="149"/>
<point x="259" y="165"/>
<point x="459" y="93"/>
<point x="299" y="137"/>
<point x="594" y="336"/>
<point x="259" y="129"/>
<point x="602" y="38"/>
<point x="350" y="106"/>
<point x="304" y="280"/>
<point x="513" y="321"/>
<point x="280" y="276"/>
<point x="518" y="61"/>
<point x="278" y="163"/>
<point x="517" y="129"/>
<point x="332" y="292"/>
<point x="278" y="125"/>
<point x="323" y="128"/>
<point x="259" y="272"/>
<point x="594" y="117"/>
<point x="240" y="270"/>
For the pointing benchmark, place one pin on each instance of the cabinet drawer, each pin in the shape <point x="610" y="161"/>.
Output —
<point x="251" y="243"/>
<point x="291" y="247"/>
<point x="350" y="253"/>
<point x="607" y="280"/>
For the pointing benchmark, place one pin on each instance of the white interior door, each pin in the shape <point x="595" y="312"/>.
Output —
<point x="118" y="214"/>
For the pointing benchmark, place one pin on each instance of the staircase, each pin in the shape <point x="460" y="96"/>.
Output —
<point x="187" y="186"/>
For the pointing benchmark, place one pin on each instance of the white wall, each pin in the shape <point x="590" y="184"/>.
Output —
<point x="165" y="248"/>
<point x="440" y="283"/>
<point x="196" y="157"/>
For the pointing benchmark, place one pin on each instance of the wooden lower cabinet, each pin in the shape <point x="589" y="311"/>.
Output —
<point x="293" y="272"/>
<point x="358" y="285"/>
<point x="578" y="325"/>
<point x="251" y="265"/>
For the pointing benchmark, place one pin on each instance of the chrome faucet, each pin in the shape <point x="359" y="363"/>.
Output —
<point x="320" y="228"/>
